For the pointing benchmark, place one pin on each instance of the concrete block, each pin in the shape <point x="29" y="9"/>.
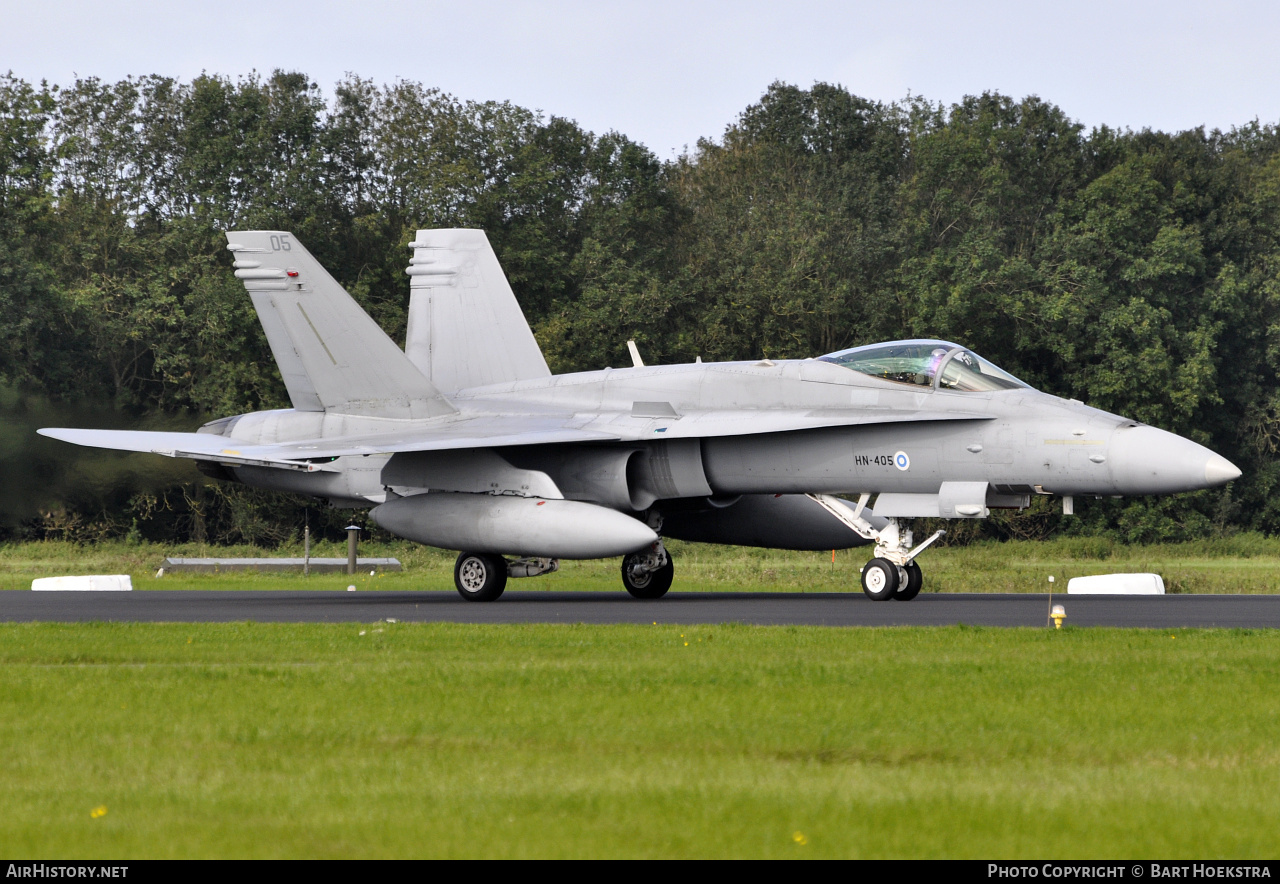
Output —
<point x="1116" y="584"/>
<point x="89" y="583"/>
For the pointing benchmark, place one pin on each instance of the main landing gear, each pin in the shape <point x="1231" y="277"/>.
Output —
<point x="893" y="573"/>
<point x="482" y="577"/>
<point x="648" y="574"/>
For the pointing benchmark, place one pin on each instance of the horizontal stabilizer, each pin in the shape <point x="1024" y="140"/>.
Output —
<point x="193" y="446"/>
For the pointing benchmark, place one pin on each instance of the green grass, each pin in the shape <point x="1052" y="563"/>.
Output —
<point x="448" y="740"/>
<point x="1246" y="563"/>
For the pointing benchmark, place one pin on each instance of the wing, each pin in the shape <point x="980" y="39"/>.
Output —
<point x="309" y="455"/>
<point x="483" y="431"/>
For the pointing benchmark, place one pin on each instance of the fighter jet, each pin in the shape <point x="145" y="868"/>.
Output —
<point x="464" y="439"/>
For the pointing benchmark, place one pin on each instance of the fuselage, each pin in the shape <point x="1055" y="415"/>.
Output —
<point x="847" y="433"/>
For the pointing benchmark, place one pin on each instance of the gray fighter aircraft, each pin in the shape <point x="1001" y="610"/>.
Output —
<point x="465" y="440"/>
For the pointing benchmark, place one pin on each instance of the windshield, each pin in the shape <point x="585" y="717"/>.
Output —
<point x="924" y="364"/>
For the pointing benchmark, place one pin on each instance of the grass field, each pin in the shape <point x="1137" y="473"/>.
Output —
<point x="1246" y="563"/>
<point x="446" y="740"/>
<point x="450" y="740"/>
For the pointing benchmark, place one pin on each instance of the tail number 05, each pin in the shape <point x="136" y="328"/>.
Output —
<point x="280" y="243"/>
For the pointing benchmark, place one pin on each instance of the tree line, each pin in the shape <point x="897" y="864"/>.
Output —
<point x="1136" y="271"/>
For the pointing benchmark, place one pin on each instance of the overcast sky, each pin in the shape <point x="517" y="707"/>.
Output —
<point x="666" y="73"/>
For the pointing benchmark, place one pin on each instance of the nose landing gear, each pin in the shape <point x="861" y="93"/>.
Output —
<point x="893" y="573"/>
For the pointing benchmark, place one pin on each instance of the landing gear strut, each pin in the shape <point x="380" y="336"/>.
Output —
<point x="648" y="574"/>
<point x="893" y="573"/>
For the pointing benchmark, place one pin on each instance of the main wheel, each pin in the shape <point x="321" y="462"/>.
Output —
<point x="880" y="579"/>
<point x="480" y="577"/>
<point x="646" y="584"/>
<point x="915" y="579"/>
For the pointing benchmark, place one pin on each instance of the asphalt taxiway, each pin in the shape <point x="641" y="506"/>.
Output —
<point x="815" y="609"/>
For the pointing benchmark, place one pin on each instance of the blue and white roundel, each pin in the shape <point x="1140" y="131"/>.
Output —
<point x="901" y="461"/>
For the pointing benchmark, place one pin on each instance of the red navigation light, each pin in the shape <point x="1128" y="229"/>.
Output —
<point x="292" y="272"/>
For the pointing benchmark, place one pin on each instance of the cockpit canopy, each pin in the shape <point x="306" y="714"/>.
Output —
<point x="926" y="363"/>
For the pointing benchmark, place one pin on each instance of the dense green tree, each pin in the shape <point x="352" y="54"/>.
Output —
<point x="1135" y="271"/>
<point x="790" y="232"/>
<point x="26" y="168"/>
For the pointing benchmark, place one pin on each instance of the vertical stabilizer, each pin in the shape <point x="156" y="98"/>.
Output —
<point x="332" y="355"/>
<point x="465" y="327"/>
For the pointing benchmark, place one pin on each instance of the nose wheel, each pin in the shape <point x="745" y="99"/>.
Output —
<point x="880" y="579"/>
<point x="883" y="580"/>
<point x="909" y="588"/>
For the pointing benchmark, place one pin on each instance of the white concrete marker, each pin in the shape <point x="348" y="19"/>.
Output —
<point x="1116" y="584"/>
<point x="91" y="583"/>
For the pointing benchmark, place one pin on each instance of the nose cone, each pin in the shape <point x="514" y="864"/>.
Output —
<point x="1145" y="460"/>
<point x="1220" y="471"/>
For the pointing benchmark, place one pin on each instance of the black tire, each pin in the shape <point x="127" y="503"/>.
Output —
<point x="915" y="579"/>
<point x="649" y="585"/>
<point x="480" y="577"/>
<point x="880" y="579"/>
